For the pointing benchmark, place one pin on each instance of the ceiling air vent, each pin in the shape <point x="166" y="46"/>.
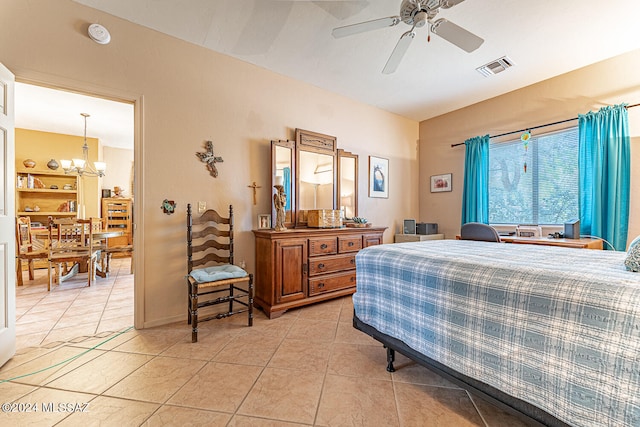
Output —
<point x="495" y="67"/>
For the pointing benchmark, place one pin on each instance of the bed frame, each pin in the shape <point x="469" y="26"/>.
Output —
<point x="525" y="411"/>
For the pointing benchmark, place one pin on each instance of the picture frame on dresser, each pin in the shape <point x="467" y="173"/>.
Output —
<point x="264" y="221"/>
<point x="378" y="177"/>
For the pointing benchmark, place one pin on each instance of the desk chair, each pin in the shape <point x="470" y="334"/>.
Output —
<point x="210" y="241"/>
<point x="27" y="248"/>
<point x="479" y="231"/>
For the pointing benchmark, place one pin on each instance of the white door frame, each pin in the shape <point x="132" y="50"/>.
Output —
<point x="70" y="85"/>
<point x="7" y="217"/>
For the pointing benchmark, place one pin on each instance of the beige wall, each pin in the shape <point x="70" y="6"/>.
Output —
<point x="44" y="146"/>
<point x="186" y="95"/>
<point x="119" y="169"/>
<point x="610" y="82"/>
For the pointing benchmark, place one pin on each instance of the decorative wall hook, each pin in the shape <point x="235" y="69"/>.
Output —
<point x="168" y="206"/>
<point x="210" y="158"/>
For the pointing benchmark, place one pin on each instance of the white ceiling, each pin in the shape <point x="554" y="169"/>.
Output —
<point x="50" y="110"/>
<point x="544" y="38"/>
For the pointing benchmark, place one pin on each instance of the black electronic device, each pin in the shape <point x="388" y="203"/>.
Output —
<point x="409" y="226"/>
<point x="426" y="228"/>
<point x="572" y="229"/>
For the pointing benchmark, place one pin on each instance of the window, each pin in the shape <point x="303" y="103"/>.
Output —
<point x="545" y="191"/>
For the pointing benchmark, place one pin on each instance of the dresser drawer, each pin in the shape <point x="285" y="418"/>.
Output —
<point x="330" y="264"/>
<point x="349" y="244"/>
<point x="323" y="246"/>
<point x="332" y="282"/>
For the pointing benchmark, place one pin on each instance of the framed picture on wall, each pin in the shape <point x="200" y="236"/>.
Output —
<point x="378" y="177"/>
<point x="440" y="183"/>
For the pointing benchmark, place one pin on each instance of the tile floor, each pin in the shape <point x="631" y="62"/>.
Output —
<point x="73" y="310"/>
<point x="309" y="367"/>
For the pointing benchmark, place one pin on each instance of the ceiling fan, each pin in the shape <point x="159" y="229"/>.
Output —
<point x="416" y="13"/>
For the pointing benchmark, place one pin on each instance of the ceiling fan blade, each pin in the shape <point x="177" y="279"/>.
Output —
<point x="398" y="52"/>
<point x="446" y="4"/>
<point x="348" y="30"/>
<point x="457" y="35"/>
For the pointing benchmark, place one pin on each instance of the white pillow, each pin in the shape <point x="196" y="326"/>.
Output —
<point x="632" y="261"/>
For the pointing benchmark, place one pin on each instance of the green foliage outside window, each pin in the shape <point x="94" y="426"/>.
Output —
<point x="546" y="191"/>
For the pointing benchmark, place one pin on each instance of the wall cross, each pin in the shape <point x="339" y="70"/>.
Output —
<point x="254" y="187"/>
<point x="210" y="159"/>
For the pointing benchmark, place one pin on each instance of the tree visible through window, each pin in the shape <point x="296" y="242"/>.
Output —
<point x="543" y="192"/>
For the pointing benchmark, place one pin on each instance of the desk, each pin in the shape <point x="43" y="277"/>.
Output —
<point x="584" y="243"/>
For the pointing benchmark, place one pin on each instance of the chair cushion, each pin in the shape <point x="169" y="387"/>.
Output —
<point x="217" y="272"/>
<point x="632" y="261"/>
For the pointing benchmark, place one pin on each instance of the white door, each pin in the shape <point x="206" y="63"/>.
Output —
<point x="7" y="219"/>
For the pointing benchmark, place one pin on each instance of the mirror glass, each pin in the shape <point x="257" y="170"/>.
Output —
<point x="315" y="180"/>
<point x="282" y="157"/>
<point x="348" y="196"/>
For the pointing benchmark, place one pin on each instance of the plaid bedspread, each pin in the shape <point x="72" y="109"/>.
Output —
<point x="556" y="327"/>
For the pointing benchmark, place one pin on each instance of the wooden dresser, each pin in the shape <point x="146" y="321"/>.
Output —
<point x="306" y="265"/>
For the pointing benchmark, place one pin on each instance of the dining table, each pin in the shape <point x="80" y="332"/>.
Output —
<point x="102" y="268"/>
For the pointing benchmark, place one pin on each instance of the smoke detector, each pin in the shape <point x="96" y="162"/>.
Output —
<point x="99" y="34"/>
<point x="495" y="67"/>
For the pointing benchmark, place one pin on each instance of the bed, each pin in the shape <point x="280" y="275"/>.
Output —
<point x="551" y="332"/>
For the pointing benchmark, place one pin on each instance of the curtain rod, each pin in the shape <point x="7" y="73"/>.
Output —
<point x="538" y="127"/>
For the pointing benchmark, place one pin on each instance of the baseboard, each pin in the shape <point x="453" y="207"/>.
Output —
<point x="166" y="321"/>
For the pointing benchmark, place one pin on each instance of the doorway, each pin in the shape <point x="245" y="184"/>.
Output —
<point x="50" y="127"/>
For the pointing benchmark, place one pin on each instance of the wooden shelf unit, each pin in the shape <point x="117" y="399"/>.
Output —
<point x="117" y="214"/>
<point x="48" y="200"/>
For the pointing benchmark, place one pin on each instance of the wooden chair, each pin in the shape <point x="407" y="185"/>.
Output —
<point x="479" y="231"/>
<point x="210" y="241"/>
<point x="27" y="248"/>
<point x="72" y="242"/>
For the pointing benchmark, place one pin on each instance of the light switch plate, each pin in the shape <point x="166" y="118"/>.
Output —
<point x="202" y="206"/>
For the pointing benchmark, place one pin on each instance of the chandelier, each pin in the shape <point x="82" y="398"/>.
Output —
<point x="83" y="166"/>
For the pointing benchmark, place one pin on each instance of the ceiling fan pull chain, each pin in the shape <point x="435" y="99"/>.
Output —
<point x="428" y="33"/>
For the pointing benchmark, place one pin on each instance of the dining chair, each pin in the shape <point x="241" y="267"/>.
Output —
<point x="28" y="249"/>
<point x="212" y="278"/>
<point x="71" y="242"/>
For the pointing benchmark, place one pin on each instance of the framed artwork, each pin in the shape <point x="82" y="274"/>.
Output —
<point x="264" y="221"/>
<point x="378" y="177"/>
<point x="440" y="183"/>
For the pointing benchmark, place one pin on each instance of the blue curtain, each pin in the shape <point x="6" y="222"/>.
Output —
<point x="604" y="165"/>
<point x="475" y="193"/>
<point x="286" y="182"/>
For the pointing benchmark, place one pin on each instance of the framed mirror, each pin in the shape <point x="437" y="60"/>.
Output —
<point x="283" y="173"/>
<point x="316" y="173"/>
<point x="348" y="184"/>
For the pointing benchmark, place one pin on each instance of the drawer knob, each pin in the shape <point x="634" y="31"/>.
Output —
<point x="353" y="261"/>
<point x="351" y="243"/>
<point x="321" y="285"/>
<point x="352" y="279"/>
<point x="321" y="265"/>
<point x="323" y="246"/>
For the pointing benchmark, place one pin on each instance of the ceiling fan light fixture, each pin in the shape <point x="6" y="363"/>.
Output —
<point x="420" y="19"/>
<point x="416" y="13"/>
